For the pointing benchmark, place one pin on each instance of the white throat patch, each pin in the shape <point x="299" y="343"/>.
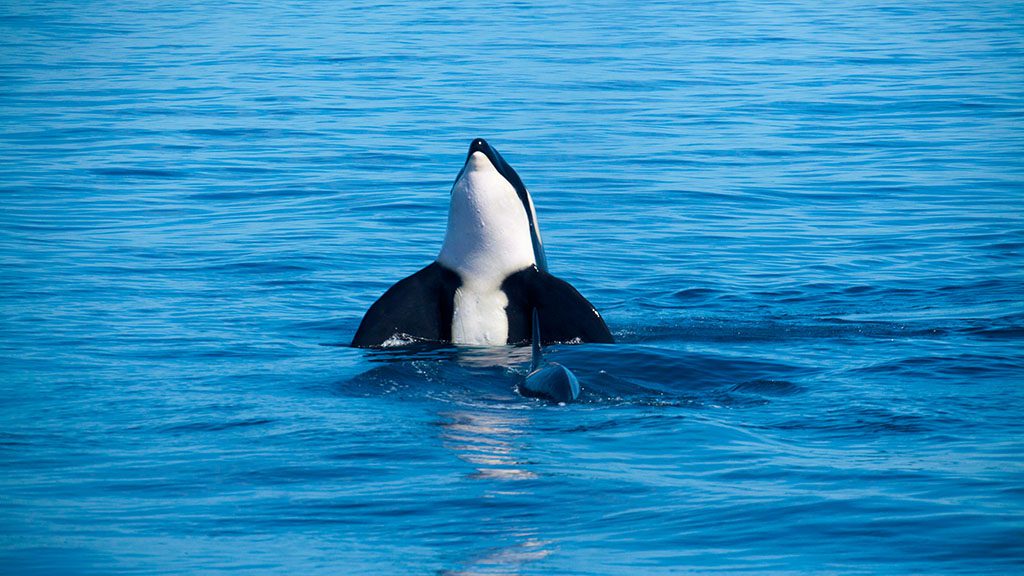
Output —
<point x="488" y="238"/>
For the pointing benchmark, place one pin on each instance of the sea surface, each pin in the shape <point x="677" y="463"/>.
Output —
<point x="803" y="222"/>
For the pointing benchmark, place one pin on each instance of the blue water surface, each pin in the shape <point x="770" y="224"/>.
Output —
<point x="803" y="221"/>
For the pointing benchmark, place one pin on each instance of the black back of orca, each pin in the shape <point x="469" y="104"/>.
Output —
<point x="420" y="308"/>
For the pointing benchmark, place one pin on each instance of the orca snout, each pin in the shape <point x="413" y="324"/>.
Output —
<point x="477" y="161"/>
<point x="479" y="145"/>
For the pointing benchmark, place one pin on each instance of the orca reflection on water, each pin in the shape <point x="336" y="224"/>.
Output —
<point x="488" y="279"/>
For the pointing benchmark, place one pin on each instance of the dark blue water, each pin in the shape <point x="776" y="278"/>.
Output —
<point x="803" y="221"/>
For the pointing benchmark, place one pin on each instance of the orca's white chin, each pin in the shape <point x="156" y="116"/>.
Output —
<point x="478" y="161"/>
<point x="488" y="232"/>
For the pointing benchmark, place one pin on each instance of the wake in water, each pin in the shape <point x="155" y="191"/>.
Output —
<point x="702" y="363"/>
<point x="625" y="373"/>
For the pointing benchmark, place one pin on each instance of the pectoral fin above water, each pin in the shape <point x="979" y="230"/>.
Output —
<point x="418" y="307"/>
<point x="565" y="315"/>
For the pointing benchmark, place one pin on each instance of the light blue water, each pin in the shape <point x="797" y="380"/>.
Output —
<point x="802" y="221"/>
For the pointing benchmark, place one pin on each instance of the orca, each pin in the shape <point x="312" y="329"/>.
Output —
<point x="550" y="382"/>
<point x="489" y="277"/>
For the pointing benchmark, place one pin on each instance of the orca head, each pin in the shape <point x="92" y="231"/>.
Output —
<point x="492" y="225"/>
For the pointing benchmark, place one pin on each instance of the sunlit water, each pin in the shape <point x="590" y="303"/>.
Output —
<point x="802" y="221"/>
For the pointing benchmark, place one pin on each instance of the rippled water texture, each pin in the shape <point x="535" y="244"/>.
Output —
<point x="802" y="221"/>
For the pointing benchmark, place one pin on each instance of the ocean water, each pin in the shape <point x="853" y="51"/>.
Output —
<point x="803" y="222"/>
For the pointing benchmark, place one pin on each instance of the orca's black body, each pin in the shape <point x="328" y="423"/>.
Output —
<point x="425" y="306"/>
<point x="420" y="308"/>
